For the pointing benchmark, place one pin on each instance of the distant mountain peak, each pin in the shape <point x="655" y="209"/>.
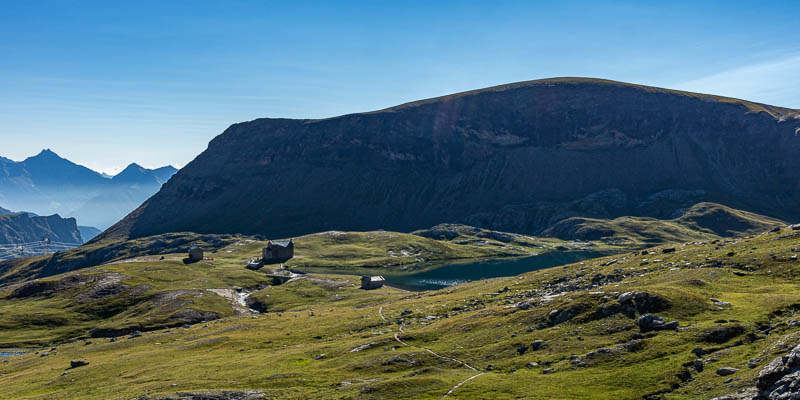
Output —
<point x="47" y="183"/>
<point x="133" y="167"/>
<point x="45" y="154"/>
<point x="136" y="174"/>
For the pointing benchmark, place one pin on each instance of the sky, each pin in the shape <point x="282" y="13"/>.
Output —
<point x="106" y="83"/>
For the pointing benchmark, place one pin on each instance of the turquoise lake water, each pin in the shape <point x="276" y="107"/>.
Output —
<point x="462" y="272"/>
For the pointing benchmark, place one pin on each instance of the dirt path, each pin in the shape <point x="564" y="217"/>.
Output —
<point x="380" y="312"/>
<point x="453" y="389"/>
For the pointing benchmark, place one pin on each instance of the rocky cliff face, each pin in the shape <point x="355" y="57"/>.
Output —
<point x="26" y="228"/>
<point x="515" y="158"/>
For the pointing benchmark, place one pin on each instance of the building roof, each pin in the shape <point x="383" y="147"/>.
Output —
<point x="281" y="243"/>
<point x="195" y="247"/>
<point x="376" y="278"/>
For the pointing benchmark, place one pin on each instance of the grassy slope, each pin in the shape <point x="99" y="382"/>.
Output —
<point x="703" y="221"/>
<point x="98" y="252"/>
<point x="40" y="320"/>
<point x="477" y="323"/>
<point x="380" y="249"/>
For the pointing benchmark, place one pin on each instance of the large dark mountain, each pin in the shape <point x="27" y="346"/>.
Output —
<point x="47" y="184"/>
<point x="517" y="158"/>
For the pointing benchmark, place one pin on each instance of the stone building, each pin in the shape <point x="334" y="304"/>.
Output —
<point x="195" y="254"/>
<point x="278" y="251"/>
<point x="371" y="282"/>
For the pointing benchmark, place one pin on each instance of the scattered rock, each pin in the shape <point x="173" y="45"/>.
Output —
<point x="668" y="250"/>
<point x="548" y="370"/>
<point x="398" y="360"/>
<point x="722" y="334"/>
<point x="319" y="356"/>
<point x="780" y="378"/>
<point x="720" y="303"/>
<point x="367" y="346"/>
<point x="134" y="334"/>
<point x="538" y="344"/>
<point x="650" y="322"/>
<point x="77" y="363"/>
<point x="212" y="395"/>
<point x="698" y="365"/>
<point x="725" y="371"/>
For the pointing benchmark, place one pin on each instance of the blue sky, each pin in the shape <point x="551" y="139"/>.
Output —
<point x="109" y="83"/>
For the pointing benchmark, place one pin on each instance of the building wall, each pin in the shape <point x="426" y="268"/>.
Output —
<point x="278" y="252"/>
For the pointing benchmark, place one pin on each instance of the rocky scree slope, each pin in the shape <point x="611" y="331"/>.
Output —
<point x="514" y="158"/>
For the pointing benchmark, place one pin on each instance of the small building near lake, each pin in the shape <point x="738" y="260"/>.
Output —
<point x="277" y="251"/>
<point x="372" y="282"/>
<point x="195" y="254"/>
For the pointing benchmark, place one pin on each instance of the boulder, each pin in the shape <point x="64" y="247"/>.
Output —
<point x="725" y="371"/>
<point x="77" y="363"/>
<point x="722" y="334"/>
<point x="698" y="365"/>
<point x="650" y="322"/>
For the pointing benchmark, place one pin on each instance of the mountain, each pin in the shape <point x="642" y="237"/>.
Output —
<point x="88" y="232"/>
<point x="3" y="211"/>
<point x="47" y="183"/>
<point x="516" y="158"/>
<point x="137" y="175"/>
<point x="26" y="228"/>
<point x="164" y="173"/>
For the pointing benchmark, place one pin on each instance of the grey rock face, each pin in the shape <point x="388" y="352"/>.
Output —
<point x="650" y="322"/>
<point x="778" y="380"/>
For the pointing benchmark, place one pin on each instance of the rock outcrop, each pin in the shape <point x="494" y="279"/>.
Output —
<point x="26" y="228"/>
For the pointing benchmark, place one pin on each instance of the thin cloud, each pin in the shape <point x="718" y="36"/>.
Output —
<point x="775" y="82"/>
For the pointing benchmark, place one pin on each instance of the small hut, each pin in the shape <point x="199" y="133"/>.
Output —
<point x="195" y="254"/>
<point x="278" y="251"/>
<point x="371" y="282"/>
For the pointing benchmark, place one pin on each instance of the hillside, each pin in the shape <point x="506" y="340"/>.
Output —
<point x="48" y="183"/>
<point x="359" y="251"/>
<point x="580" y="331"/>
<point x="703" y="221"/>
<point x="513" y="158"/>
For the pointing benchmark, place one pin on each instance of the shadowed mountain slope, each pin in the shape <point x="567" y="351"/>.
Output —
<point x="515" y="158"/>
